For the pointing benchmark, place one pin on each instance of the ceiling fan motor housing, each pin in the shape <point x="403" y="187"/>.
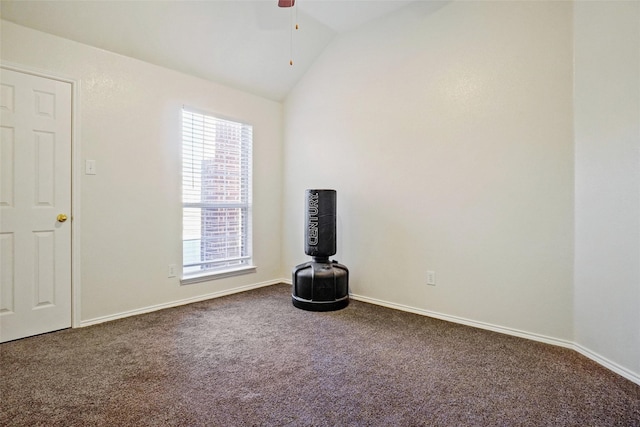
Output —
<point x="286" y="3"/>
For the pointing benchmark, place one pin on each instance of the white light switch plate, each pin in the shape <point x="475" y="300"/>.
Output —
<point x="90" y="167"/>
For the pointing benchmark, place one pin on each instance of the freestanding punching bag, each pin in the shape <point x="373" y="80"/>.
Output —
<point x="320" y="284"/>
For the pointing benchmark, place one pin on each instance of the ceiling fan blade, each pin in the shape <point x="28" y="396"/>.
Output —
<point x="286" y="3"/>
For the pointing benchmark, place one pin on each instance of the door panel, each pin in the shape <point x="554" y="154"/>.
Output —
<point x="35" y="167"/>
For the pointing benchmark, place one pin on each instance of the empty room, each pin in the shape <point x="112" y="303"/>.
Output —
<point x="159" y="162"/>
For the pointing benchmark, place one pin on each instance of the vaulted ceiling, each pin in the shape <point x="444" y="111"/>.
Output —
<point x="243" y="44"/>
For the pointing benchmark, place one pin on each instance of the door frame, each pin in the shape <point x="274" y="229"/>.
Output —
<point x="75" y="178"/>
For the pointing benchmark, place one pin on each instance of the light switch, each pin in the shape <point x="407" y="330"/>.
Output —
<point x="90" y="167"/>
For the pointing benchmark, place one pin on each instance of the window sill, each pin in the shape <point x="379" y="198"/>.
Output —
<point x="205" y="277"/>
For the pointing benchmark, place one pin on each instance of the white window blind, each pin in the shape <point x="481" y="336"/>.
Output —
<point x="216" y="193"/>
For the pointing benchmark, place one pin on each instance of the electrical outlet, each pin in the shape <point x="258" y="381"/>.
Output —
<point x="431" y="278"/>
<point x="172" y="271"/>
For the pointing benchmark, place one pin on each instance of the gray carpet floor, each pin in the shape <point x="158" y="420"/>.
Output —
<point x="252" y="359"/>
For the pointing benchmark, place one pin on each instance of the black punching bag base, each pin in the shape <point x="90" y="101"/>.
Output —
<point x="319" y="306"/>
<point x="320" y="285"/>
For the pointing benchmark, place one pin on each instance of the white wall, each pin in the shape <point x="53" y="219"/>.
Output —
<point x="448" y="136"/>
<point x="131" y="210"/>
<point x="607" y="205"/>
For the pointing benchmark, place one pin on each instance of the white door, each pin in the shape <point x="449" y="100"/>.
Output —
<point x="35" y="198"/>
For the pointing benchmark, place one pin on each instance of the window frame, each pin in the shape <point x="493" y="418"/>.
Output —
<point x="226" y="271"/>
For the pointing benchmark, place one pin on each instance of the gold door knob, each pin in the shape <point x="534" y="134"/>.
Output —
<point x="62" y="218"/>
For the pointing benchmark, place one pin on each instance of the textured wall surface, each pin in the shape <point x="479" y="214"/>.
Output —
<point x="607" y="132"/>
<point x="130" y="212"/>
<point x="448" y="136"/>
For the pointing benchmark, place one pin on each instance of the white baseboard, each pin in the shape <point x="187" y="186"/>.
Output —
<point x="468" y="322"/>
<point x="177" y="303"/>
<point x="612" y="366"/>
<point x="631" y="376"/>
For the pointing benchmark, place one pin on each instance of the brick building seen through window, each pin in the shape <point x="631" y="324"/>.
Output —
<point x="216" y="194"/>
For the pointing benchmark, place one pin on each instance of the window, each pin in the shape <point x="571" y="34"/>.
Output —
<point x="216" y="196"/>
